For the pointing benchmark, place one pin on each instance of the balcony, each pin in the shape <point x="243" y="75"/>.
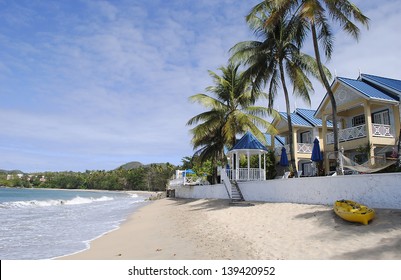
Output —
<point x="356" y="132"/>
<point x="305" y="148"/>
<point x="302" y="148"/>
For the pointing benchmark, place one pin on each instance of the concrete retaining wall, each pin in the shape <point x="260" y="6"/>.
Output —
<point x="205" y="191"/>
<point x="374" y="190"/>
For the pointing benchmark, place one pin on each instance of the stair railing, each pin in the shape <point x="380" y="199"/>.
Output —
<point x="226" y="182"/>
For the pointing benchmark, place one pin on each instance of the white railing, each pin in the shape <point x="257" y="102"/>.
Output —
<point x="226" y="181"/>
<point x="305" y="148"/>
<point x="277" y="150"/>
<point x="348" y="134"/>
<point x="381" y="130"/>
<point x="351" y="133"/>
<point x="188" y="181"/>
<point x="245" y="174"/>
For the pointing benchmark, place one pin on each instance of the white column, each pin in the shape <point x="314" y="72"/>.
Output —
<point x="369" y="131"/>
<point x="236" y="166"/>
<point x="264" y="167"/>
<point x="249" y="163"/>
<point x="260" y="166"/>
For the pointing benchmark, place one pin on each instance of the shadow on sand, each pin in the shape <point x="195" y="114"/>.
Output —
<point x="386" y="221"/>
<point x="210" y="204"/>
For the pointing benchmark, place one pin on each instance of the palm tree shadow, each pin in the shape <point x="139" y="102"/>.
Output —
<point x="204" y="204"/>
<point x="210" y="204"/>
<point x="386" y="221"/>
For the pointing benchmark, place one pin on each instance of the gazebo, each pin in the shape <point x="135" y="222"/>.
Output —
<point x="248" y="145"/>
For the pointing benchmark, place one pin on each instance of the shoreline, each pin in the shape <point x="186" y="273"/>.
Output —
<point x="148" y="193"/>
<point x="212" y="229"/>
<point x="88" y="242"/>
<point x="30" y="201"/>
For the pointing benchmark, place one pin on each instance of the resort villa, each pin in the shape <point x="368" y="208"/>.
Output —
<point x="368" y="110"/>
<point x="306" y="128"/>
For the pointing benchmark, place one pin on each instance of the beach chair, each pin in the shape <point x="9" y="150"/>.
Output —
<point x="286" y="174"/>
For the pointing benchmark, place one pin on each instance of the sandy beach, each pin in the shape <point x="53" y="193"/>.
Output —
<point x="174" y="229"/>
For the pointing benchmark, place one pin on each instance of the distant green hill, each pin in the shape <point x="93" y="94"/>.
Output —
<point x="11" y="171"/>
<point x="137" y="164"/>
<point x="131" y="165"/>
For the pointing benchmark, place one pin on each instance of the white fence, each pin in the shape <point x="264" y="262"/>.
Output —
<point x="245" y="174"/>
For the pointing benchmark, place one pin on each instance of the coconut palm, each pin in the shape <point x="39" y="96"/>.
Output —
<point x="319" y="14"/>
<point x="277" y="59"/>
<point x="232" y="111"/>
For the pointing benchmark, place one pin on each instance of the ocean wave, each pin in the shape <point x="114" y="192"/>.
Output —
<point x="53" y="202"/>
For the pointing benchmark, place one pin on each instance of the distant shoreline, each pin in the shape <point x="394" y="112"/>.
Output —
<point x="147" y="193"/>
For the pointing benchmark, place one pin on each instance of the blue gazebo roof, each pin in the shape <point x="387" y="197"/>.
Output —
<point x="249" y="142"/>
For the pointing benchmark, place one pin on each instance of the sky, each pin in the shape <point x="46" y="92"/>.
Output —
<point x="94" y="84"/>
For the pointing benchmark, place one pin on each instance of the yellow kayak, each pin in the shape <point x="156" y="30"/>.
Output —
<point x="353" y="212"/>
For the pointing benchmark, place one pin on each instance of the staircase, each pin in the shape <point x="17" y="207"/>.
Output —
<point x="236" y="194"/>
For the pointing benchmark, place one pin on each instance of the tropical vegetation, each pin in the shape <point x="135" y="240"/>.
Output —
<point x="319" y="16"/>
<point x="153" y="177"/>
<point x="283" y="26"/>
<point x="231" y="111"/>
<point x="277" y="59"/>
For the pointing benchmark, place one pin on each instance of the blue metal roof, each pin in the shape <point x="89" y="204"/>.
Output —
<point x="249" y="142"/>
<point x="387" y="82"/>
<point x="278" y="140"/>
<point x="309" y="115"/>
<point x="296" y="119"/>
<point x="366" y="89"/>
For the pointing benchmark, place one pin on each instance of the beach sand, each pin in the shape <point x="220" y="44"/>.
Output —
<point x="175" y="229"/>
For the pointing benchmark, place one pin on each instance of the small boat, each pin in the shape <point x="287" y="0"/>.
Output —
<point x="353" y="212"/>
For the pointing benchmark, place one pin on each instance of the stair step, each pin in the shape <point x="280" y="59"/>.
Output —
<point x="236" y="195"/>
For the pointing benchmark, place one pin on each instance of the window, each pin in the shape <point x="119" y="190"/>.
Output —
<point x="358" y="120"/>
<point x="382" y="117"/>
<point x="306" y="137"/>
<point x="307" y="169"/>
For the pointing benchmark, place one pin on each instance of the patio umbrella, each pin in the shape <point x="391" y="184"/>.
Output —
<point x="283" y="158"/>
<point x="188" y="171"/>
<point x="316" y="154"/>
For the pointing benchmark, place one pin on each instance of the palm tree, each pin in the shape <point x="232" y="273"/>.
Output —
<point x="231" y="111"/>
<point x="318" y="14"/>
<point x="277" y="58"/>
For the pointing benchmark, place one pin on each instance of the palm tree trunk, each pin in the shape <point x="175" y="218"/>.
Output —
<point x="329" y="92"/>
<point x="288" y="110"/>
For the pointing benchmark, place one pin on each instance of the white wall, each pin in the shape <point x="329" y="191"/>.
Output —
<point x="201" y="191"/>
<point x="374" y="190"/>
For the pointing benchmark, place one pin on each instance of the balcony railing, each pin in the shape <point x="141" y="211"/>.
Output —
<point x="382" y="130"/>
<point x="302" y="148"/>
<point x="356" y="132"/>
<point x="305" y="148"/>
<point x="277" y="150"/>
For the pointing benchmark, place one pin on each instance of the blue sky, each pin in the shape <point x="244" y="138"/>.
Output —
<point x="95" y="84"/>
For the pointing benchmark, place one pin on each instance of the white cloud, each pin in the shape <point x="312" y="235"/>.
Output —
<point x="94" y="84"/>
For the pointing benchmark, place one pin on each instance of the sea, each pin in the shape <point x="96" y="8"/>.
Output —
<point x="40" y="224"/>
